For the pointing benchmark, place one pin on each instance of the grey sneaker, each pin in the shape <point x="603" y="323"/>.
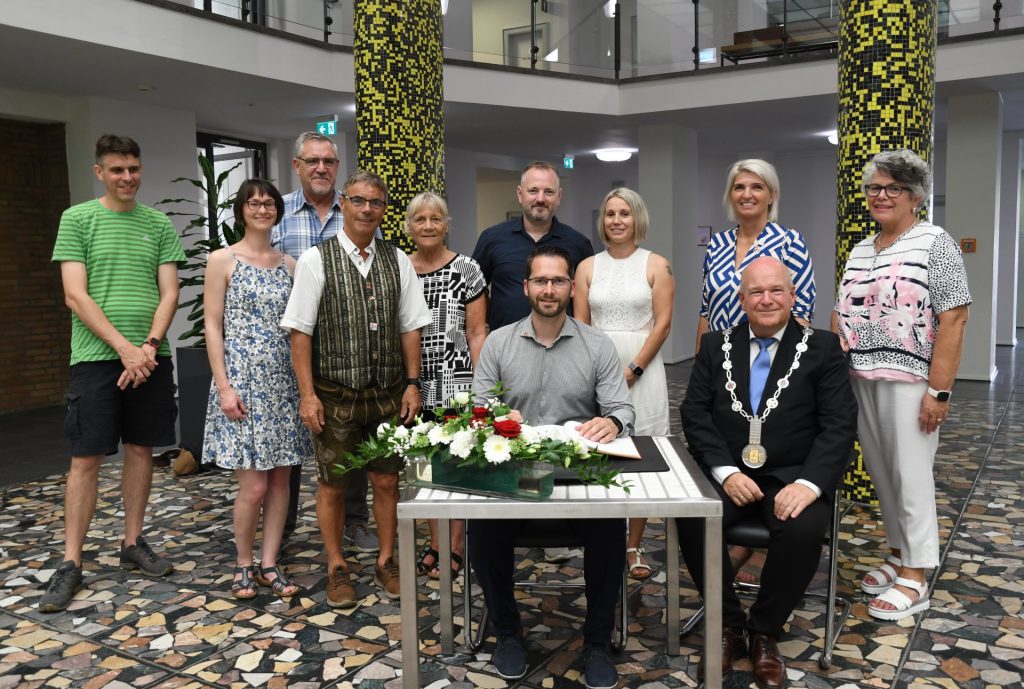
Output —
<point x="64" y="583"/>
<point x="141" y="556"/>
<point x="360" y="539"/>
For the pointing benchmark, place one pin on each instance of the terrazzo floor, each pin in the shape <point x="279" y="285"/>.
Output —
<point x="126" y="630"/>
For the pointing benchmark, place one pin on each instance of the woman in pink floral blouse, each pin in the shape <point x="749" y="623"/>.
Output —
<point x="901" y="311"/>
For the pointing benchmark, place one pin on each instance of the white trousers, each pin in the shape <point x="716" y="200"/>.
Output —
<point x="901" y="460"/>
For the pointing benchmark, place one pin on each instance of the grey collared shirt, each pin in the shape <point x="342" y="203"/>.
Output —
<point x="577" y="378"/>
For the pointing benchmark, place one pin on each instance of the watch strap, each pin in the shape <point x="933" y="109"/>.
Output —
<point x="637" y="371"/>
<point x="153" y="342"/>
<point x="940" y="395"/>
<point x="413" y="381"/>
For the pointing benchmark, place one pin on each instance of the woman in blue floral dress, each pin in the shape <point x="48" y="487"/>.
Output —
<point x="252" y="419"/>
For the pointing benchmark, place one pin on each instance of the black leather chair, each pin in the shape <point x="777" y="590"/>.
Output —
<point x="547" y="533"/>
<point x="752" y="533"/>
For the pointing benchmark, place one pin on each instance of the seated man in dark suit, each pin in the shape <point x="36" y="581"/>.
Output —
<point x="770" y="415"/>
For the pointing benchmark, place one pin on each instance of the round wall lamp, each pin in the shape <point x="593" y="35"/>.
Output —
<point x="613" y="155"/>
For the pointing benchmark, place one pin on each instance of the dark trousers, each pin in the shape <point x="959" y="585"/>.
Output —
<point x="356" y="510"/>
<point x="604" y="558"/>
<point x="792" y="558"/>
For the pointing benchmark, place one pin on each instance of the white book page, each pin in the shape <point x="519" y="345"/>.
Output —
<point x="620" y="447"/>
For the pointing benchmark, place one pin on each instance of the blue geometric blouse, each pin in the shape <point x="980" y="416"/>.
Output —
<point x="721" y="302"/>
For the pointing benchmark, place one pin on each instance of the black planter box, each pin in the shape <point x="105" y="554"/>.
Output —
<point x="194" y="378"/>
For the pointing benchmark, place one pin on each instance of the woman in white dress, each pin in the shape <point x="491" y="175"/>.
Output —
<point x="627" y="292"/>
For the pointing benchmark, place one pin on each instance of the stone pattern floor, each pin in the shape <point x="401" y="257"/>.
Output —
<point x="125" y="630"/>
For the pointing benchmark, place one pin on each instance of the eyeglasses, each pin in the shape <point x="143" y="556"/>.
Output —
<point x="268" y="205"/>
<point x="893" y="191"/>
<point x="541" y="283"/>
<point x="314" y="163"/>
<point x="359" y="202"/>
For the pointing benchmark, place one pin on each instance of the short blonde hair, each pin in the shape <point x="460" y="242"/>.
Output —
<point x="425" y="199"/>
<point x="764" y="170"/>
<point x="641" y="218"/>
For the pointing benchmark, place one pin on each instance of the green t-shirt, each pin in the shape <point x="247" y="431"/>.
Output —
<point x="121" y="253"/>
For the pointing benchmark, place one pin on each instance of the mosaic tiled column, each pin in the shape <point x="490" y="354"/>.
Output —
<point x="886" y="100"/>
<point x="399" y="121"/>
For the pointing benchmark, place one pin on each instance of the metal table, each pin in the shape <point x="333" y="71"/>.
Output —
<point x="682" y="491"/>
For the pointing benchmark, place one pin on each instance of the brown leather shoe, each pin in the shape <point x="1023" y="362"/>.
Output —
<point x="769" y="667"/>
<point x="732" y="649"/>
<point x="386" y="576"/>
<point x="340" y="592"/>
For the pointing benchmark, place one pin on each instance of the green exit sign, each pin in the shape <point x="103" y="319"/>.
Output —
<point x="328" y="128"/>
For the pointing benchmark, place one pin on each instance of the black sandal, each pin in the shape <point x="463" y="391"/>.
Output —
<point x="435" y="572"/>
<point x="422" y="565"/>
<point x="278" y="584"/>
<point x="245" y="581"/>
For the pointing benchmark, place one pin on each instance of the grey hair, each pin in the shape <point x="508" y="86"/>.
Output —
<point x="426" y="199"/>
<point x="764" y="170"/>
<point x="313" y="136"/>
<point x="904" y="166"/>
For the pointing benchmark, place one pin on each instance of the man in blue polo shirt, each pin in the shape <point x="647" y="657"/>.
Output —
<point x="502" y="249"/>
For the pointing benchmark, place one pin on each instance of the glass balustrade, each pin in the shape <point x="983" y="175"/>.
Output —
<point x="609" y="39"/>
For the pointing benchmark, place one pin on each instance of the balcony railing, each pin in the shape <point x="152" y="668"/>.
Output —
<point x="610" y="39"/>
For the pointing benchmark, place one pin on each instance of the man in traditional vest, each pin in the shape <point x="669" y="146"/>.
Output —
<point x="354" y="314"/>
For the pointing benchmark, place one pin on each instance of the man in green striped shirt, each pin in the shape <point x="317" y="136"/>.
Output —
<point x="118" y="263"/>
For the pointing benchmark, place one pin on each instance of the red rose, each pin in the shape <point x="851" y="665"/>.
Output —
<point x="507" y="428"/>
<point x="450" y="417"/>
<point x="480" y="412"/>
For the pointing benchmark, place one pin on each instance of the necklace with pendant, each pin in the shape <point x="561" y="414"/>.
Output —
<point x="754" y="454"/>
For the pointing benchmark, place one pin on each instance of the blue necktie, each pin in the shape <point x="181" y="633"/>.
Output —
<point x="759" y="371"/>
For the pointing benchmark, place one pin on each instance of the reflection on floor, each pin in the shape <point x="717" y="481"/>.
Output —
<point x="126" y="630"/>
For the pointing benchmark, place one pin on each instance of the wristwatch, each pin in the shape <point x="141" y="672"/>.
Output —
<point x="413" y="381"/>
<point x="153" y="342"/>
<point x="637" y="371"/>
<point x="940" y="395"/>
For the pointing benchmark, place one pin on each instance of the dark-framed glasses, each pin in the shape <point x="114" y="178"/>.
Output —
<point x="314" y="163"/>
<point x="541" y="283"/>
<point x="891" y="190"/>
<point x="255" y="205"/>
<point x="359" y="202"/>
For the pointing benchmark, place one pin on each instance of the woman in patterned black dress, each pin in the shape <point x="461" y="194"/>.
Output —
<point x="252" y="419"/>
<point x="453" y="285"/>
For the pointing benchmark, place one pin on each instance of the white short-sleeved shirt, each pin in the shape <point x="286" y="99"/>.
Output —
<point x="304" y="303"/>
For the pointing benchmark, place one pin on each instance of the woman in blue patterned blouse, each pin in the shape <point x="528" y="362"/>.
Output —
<point x="752" y="200"/>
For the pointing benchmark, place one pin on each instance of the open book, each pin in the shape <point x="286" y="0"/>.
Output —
<point x="620" y="447"/>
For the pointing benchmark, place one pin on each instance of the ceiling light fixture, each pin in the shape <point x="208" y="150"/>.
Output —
<point x="614" y="155"/>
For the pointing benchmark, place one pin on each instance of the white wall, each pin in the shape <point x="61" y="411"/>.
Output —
<point x="1009" y="209"/>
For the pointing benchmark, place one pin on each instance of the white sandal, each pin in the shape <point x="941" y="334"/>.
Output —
<point x="903" y="604"/>
<point x="885" y="573"/>
<point x="640" y="564"/>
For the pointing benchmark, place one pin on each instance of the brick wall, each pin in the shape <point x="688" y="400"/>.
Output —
<point x="35" y="325"/>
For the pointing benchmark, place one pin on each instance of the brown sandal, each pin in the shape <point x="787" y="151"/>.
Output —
<point x="278" y="584"/>
<point x="243" y="583"/>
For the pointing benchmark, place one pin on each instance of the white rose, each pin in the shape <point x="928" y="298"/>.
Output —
<point x="401" y="432"/>
<point x="463" y="443"/>
<point x="382" y="429"/>
<point x="461" y="398"/>
<point x="422" y="429"/>
<point x="497" y="449"/>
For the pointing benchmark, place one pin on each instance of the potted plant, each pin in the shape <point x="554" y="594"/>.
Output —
<point x="210" y="226"/>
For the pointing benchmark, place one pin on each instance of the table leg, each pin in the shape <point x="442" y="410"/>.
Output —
<point x="713" y="602"/>
<point x="444" y="548"/>
<point x="407" y="584"/>
<point x="672" y="585"/>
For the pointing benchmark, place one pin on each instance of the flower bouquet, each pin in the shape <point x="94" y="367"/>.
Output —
<point x="479" y="448"/>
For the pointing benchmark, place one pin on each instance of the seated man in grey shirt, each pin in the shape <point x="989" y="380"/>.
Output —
<point x="557" y="369"/>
